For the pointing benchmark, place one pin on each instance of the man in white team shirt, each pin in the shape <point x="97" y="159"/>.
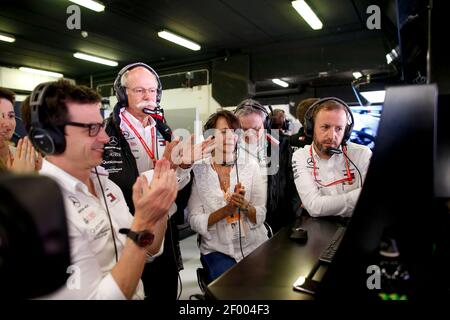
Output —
<point x="107" y="259"/>
<point x="326" y="172"/>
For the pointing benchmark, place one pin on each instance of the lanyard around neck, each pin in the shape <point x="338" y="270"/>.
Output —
<point x="349" y="177"/>
<point x="144" y="144"/>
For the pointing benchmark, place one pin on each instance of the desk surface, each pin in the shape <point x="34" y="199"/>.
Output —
<point x="269" y="272"/>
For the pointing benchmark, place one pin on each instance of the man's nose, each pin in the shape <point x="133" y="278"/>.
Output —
<point x="103" y="136"/>
<point x="329" y="134"/>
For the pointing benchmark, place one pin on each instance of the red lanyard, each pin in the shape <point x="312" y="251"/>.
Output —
<point x="144" y="144"/>
<point x="349" y="175"/>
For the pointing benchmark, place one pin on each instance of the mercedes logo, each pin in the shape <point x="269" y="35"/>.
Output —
<point x="113" y="141"/>
<point x="75" y="201"/>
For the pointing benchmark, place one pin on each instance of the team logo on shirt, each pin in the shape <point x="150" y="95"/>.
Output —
<point x="89" y="217"/>
<point x="310" y="162"/>
<point x="75" y="201"/>
<point x="111" y="197"/>
<point x="113" y="141"/>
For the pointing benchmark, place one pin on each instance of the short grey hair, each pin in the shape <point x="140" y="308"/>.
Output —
<point x="124" y="78"/>
<point x="245" y="108"/>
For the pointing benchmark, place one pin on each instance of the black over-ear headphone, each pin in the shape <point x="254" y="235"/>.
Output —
<point x="121" y="91"/>
<point x="257" y="106"/>
<point x="309" y="118"/>
<point x="48" y="138"/>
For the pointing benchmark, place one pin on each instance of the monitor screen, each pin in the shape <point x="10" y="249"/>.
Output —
<point x="367" y="120"/>
<point x="397" y="197"/>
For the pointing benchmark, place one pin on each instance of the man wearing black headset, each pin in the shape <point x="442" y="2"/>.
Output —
<point x="108" y="246"/>
<point x="330" y="172"/>
<point x="140" y="136"/>
<point x="273" y="153"/>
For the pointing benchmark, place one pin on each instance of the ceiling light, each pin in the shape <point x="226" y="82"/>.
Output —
<point x="281" y="83"/>
<point x="42" y="72"/>
<point x="374" y="96"/>
<point x="306" y="12"/>
<point x="88" y="57"/>
<point x="90" y="4"/>
<point x="357" y="74"/>
<point x="6" y="38"/>
<point x="179" y="40"/>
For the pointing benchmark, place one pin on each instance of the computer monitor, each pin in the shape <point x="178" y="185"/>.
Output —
<point x="367" y="121"/>
<point x="442" y="152"/>
<point x="397" y="196"/>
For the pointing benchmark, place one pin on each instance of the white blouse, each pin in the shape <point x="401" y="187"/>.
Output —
<point x="207" y="197"/>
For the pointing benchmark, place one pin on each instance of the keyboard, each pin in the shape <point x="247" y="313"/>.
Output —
<point x="329" y="252"/>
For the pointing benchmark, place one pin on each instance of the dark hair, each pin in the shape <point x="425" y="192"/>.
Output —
<point x="278" y="118"/>
<point x="302" y="107"/>
<point x="230" y="118"/>
<point x="54" y="111"/>
<point x="8" y="95"/>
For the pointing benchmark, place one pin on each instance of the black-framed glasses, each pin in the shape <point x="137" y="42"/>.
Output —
<point x="141" y="91"/>
<point x="94" y="128"/>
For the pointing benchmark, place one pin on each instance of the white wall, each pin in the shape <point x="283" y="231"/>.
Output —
<point x="15" y="79"/>
<point x="197" y="97"/>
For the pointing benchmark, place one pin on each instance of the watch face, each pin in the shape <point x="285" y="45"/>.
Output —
<point x="145" y="238"/>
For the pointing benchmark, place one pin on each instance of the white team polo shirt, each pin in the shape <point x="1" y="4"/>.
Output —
<point x="91" y="243"/>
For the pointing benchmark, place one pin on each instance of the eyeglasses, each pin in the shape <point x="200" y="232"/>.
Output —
<point x="141" y="91"/>
<point x="94" y="128"/>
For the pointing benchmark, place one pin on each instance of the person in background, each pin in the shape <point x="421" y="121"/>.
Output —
<point x="274" y="157"/>
<point x="278" y="120"/>
<point x="299" y="140"/>
<point x="24" y="158"/>
<point x="227" y="203"/>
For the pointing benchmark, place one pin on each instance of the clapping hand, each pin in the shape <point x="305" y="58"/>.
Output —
<point x="238" y="197"/>
<point x="26" y="159"/>
<point x="185" y="154"/>
<point x="152" y="202"/>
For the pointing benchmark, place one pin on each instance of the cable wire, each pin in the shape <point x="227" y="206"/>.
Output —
<point x="109" y="215"/>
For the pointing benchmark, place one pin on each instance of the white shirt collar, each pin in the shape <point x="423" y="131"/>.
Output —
<point x="135" y="122"/>
<point x="67" y="181"/>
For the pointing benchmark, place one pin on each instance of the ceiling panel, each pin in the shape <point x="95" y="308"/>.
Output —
<point x="127" y="31"/>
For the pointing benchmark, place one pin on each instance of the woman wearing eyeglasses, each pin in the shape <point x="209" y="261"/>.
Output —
<point x="227" y="203"/>
<point x="24" y="158"/>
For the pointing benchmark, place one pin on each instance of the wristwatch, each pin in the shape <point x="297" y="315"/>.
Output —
<point x="142" y="238"/>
